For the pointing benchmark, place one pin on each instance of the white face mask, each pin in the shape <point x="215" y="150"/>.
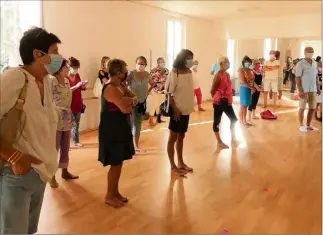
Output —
<point x="73" y="71"/>
<point x="195" y="66"/>
<point x="271" y="56"/>
<point x="140" y="68"/>
<point x="162" y="65"/>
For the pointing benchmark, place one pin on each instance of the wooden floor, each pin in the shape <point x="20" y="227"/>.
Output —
<point x="268" y="184"/>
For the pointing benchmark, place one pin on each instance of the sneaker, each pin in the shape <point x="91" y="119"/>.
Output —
<point x="303" y="129"/>
<point x="312" y="128"/>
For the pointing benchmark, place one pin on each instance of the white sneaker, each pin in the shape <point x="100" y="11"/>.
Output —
<point x="303" y="129"/>
<point x="312" y="128"/>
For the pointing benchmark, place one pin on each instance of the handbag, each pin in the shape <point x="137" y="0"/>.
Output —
<point x="97" y="89"/>
<point x="83" y="108"/>
<point x="141" y="108"/>
<point x="165" y="108"/>
<point x="13" y="122"/>
<point x="224" y="102"/>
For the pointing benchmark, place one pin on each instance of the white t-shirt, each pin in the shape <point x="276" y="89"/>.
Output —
<point x="272" y="75"/>
<point x="195" y="79"/>
<point x="181" y="86"/>
<point x="39" y="134"/>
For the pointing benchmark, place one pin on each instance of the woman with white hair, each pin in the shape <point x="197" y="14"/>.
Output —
<point x="221" y="92"/>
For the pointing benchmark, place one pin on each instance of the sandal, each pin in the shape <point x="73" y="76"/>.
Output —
<point x="186" y="168"/>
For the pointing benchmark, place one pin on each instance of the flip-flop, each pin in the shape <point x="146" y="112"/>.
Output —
<point x="186" y="168"/>
<point x="182" y="174"/>
<point x="140" y="150"/>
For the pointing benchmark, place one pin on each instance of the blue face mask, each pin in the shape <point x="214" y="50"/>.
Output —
<point x="247" y="65"/>
<point x="54" y="64"/>
<point x="189" y="63"/>
<point x="227" y="66"/>
<point x="309" y="55"/>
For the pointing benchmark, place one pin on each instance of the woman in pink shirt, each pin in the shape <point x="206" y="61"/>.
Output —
<point x="77" y="107"/>
<point x="221" y="92"/>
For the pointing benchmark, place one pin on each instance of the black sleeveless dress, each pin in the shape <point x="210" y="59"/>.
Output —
<point x="115" y="137"/>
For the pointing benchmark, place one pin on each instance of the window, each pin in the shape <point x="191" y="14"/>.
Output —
<point x="230" y="54"/>
<point x="267" y="48"/>
<point x="16" y="17"/>
<point x="174" y="40"/>
<point x="276" y="44"/>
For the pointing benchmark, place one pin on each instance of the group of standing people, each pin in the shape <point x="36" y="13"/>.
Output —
<point x="30" y="161"/>
<point x="150" y="90"/>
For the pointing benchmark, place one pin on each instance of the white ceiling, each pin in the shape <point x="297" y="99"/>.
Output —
<point x="212" y="10"/>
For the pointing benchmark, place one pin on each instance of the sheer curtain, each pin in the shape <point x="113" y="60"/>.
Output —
<point x="175" y="32"/>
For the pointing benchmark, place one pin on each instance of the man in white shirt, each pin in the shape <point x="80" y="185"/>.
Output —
<point x="196" y="85"/>
<point x="308" y="87"/>
<point x="32" y="160"/>
<point x="271" y="76"/>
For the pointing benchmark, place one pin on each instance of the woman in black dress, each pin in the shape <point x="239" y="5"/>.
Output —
<point x="255" y="96"/>
<point x="115" y="137"/>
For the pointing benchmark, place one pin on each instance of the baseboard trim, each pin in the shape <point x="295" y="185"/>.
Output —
<point x="88" y="130"/>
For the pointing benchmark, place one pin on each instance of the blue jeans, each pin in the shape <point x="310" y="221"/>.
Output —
<point x="21" y="198"/>
<point x="75" y="128"/>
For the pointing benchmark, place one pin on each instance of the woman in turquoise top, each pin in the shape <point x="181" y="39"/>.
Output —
<point x="138" y="82"/>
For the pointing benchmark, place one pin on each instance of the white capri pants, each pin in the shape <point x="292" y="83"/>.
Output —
<point x="271" y="85"/>
<point x="154" y="101"/>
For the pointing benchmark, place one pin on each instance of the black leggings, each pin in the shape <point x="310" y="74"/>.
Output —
<point x="293" y="83"/>
<point x="218" y="110"/>
<point x="286" y="77"/>
<point x="254" y="101"/>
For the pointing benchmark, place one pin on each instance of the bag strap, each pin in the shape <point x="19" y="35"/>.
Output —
<point x="22" y="95"/>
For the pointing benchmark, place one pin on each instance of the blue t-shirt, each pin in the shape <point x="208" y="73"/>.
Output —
<point x="307" y="72"/>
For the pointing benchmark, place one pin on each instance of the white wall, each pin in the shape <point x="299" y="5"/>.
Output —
<point x="279" y="27"/>
<point x="123" y="29"/>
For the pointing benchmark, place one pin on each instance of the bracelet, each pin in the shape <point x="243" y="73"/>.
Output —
<point x="15" y="157"/>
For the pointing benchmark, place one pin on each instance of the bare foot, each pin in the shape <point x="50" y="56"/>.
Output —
<point x="122" y="198"/>
<point x="78" y="145"/>
<point x="201" y="110"/>
<point x="255" y="117"/>
<point x="152" y="123"/>
<point x="178" y="172"/>
<point x="247" y="124"/>
<point x="185" y="168"/>
<point x="223" y="145"/>
<point x="114" y="202"/>
<point x="53" y="183"/>
<point x="69" y="176"/>
<point x="264" y="106"/>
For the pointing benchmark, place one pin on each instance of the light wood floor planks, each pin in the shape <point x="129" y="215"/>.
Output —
<point x="269" y="183"/>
